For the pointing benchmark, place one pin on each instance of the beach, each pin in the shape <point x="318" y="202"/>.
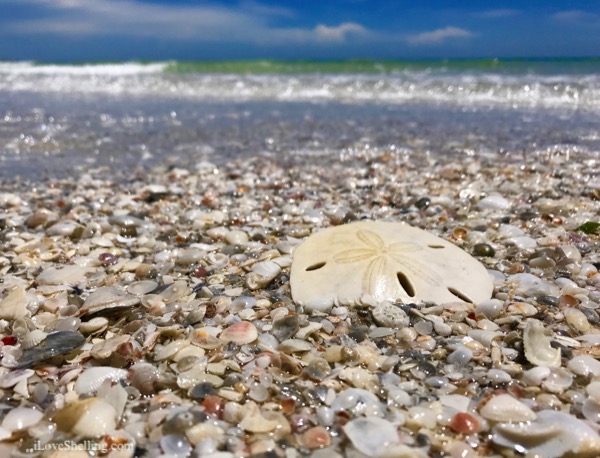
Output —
<point x="149" y="215"/>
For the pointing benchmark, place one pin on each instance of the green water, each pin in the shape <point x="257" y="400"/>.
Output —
<point x="506" y="66"/>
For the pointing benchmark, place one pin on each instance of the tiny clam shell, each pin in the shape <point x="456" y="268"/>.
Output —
<point x="537" y="346"/>
<point x="240" y="333"/>
<point x="33" y="338"/>
<point x="505" y="407"/>
<point x="91" y="379"/>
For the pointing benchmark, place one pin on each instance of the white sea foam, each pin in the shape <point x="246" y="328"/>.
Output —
<point x="464" y="88"/>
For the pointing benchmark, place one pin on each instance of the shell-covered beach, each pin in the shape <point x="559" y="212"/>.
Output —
<point x="145" y="258"/>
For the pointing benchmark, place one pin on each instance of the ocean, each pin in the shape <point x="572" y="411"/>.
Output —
<point x="120" y="118"/>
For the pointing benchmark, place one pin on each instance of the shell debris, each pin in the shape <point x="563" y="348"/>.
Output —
<point x="328" y="307"/>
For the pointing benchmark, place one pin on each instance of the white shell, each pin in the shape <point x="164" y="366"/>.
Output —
<point x="505" y="407"/>
<point x="68" y="275"/>
<point x="371" y="262"/>
<point x="372" y="435"/>
<point x="33" y="338"/>
<point x="537" y="346"/>
<point x="262" y="274"/>
<point x="91" y="379"/>
<point x="14" y="305"/>
<point x="20" y="418"/>
<point x="91" y="417"/>
<point x="15" y="376"/>
<point x="551" y="434"/>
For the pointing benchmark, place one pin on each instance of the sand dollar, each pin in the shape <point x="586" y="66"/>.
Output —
<point x="371" y="262"/>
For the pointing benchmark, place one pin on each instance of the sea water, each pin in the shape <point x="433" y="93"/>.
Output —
<point x="59" y="120"/>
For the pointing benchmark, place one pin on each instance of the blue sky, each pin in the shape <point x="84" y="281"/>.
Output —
<point x="93" y="30"/>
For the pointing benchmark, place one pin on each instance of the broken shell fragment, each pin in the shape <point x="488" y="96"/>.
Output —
<point x="537" y="346"/>
<point x="262" y="274"/>
<point x="14" y="305"/>
<point x="372" y="262"/>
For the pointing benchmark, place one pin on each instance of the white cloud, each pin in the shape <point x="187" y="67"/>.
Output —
<point x="438" y="36"/>
<point x="338" y="33"/>
<point x="248" y="22"/>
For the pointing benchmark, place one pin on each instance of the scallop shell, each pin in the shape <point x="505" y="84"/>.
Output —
<point x="91" y="379"/>
<point x="33" y="338"/>
<point x="537" y="346"/>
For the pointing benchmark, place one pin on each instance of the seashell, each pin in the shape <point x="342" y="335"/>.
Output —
<point x="262" y="274"/>
<point x="576" y="320"/>
<point x="358" y="402"/>
<point x="21" y="418"/>
<point x="13" y="377"/>
<point x="584" y="365"/>
<point x="175" y="445"/>
<point x="551" y="434"/>
<point x="108" y="299"/>
<point x="535" y="376"/>
<point x="139" y="288"/>
<point x="315" y="437"/>
<point x="504" y="407"/>
<point x="371" y="436"/>
<point x="285" y="327"/>
<point x="593" y="391"/>
<point x="14" y="305"/>
<point x="89" y="418"/>
<point x="104" y="348"/>
<point x="373" y="262"/>
<point x="67" y="275"/>
<point x="144" y="377"/>
<point x="294" y="346"/>
<point x="189" y="256"/>
<point x="55" y="343"/>
<point x="65" y="228"/>
<point x="254" y="422"/>
<point x="91" y="379"/>
<point x="175" y="291"/>
<point x="33" y="338"/>
<point x="558" y="381"/>
<point x="169" y="350"/>
<point x="94" y="326"/>
<point x="537" y="346"/>
<point x="240" y="333"/>
<point x="204" y="339"/>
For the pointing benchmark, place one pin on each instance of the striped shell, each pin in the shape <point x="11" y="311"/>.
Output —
<point x="33" y="338"/>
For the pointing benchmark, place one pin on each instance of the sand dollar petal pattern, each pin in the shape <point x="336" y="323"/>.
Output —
<point x="371" y="261"/>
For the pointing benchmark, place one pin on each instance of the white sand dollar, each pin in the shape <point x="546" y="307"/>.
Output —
<point x="371" y="262"/>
